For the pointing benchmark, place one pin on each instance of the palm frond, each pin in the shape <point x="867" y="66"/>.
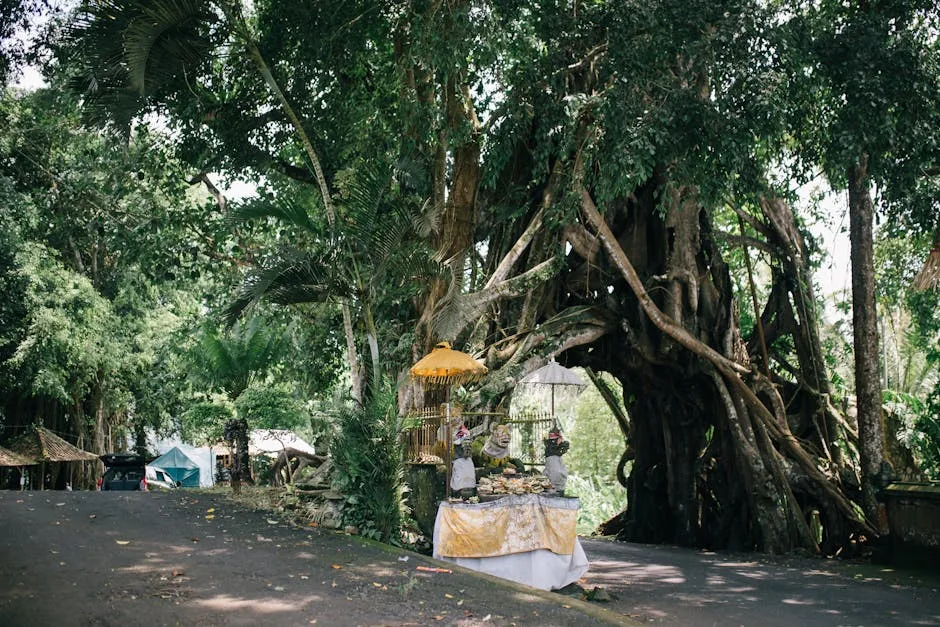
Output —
<point x="124" y="51"/>
<point x="162" y="39"/>
<point x="291" y="281"/>
<point x="284" y="211"/>
<point x="216" y="355"/>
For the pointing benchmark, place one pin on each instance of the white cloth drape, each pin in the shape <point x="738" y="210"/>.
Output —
<point x="539" y="569"/>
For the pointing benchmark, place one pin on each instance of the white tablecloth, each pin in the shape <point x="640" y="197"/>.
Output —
<point x="519" y="522"/>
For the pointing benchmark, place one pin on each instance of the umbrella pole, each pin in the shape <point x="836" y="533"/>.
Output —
<point x="554" y="420"/>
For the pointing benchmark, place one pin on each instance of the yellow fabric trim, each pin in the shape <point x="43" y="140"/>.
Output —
<point x="502" y="530"/>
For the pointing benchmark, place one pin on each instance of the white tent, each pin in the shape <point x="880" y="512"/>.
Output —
<point x="272" y="442"/>
<point x="204" y="456"/>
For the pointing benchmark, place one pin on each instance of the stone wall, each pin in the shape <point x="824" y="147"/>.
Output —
<point x="914" y="521"/>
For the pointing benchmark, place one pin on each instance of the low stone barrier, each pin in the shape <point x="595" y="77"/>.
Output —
<point x="914" y="522"/>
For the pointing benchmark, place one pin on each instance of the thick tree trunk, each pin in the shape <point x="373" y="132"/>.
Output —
<point x="699" y="411"/>
<point x="797" y="316"/>
<point x="865" y="328"/>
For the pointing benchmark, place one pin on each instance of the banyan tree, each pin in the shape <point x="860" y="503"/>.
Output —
<point x="581" y="174"/>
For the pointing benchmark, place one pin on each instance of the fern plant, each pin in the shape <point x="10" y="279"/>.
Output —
<point x="368" y="459"/>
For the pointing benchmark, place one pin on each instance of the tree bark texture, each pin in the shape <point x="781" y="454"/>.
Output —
<point x="865" y="334"/>
<point x="713" y="447"/>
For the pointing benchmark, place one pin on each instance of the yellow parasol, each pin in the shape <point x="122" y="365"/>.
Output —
<point x="447" y="367"/>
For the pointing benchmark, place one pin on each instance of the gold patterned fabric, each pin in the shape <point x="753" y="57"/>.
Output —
<point x="513" y="524"/>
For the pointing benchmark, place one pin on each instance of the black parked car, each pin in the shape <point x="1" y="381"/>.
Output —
<point x="123" y="471"/>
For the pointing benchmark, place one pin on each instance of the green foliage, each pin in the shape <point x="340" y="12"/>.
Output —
<point x="372" y="262"/>
<point x="596" y="441"/>
<point x="600" y="501"/>
<point x="271" y="407"/>
<point x="204" y="422"/>
<point x="14" y="16"/>
<point x="926" y="435"/>
<point x="231" y="359"/>
<point x="920" y="427"/>
<point x="863" y="80"/>
<point x="650" y="98"/>
<point x="369" y="459"/>
<point x="68" y="340"/>
<point x="13" y="286"/>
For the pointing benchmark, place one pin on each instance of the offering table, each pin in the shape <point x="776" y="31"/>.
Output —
<point x="528" y="538"/>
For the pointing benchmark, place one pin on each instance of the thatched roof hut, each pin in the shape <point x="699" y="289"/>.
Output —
<point x="43" y="445"/>
<point x="9" y="458"/>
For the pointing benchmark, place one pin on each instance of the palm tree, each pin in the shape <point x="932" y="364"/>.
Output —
<point x="373" y="259"/>
<point x="131" y="52"/>
<point x="233" y="359"/>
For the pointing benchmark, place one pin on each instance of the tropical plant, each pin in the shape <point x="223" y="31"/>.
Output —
<point x="271" y="407"/>
<point x="373" y="264"/>
<point x="231" y="359"/>
<point x="204" y="421"/>
<point x="368" y="456"/>
<point x="569" y="163"/>
<point x="864" y="77"/>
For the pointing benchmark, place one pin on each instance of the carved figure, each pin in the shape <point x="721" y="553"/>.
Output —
<point x="555" y="469"/>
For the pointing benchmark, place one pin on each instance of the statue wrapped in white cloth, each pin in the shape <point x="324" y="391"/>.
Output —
<point x="555" y="470"/>
<point x="463" y="474"/>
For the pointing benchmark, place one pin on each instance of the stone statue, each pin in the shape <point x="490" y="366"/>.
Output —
<point x="555" y="470"/>
<point x="463" y="475"/>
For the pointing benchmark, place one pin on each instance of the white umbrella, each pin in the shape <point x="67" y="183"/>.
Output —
<point x="553" y="373"/>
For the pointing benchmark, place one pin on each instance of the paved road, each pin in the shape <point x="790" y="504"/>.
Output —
<point x="125" y="559"/>
<point x="673" y="586"/>
<point x="196" y="558"/>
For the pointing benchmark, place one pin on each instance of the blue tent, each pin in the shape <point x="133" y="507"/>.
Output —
<point x="183" y="470"/>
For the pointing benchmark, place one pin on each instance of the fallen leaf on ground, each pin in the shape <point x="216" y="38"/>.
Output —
<point x="336" y="566"/>
<point x="210" y="510"/>
<point x="271" y="522"/>
<point x="123" y="542"/>
<point x="429" y="569"/>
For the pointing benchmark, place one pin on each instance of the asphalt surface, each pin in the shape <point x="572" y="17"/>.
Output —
<point x="197" y="558"/>
<point x="676" y="586"/>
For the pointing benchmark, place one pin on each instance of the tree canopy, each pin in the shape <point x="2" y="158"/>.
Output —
<point x="611" y="182"/>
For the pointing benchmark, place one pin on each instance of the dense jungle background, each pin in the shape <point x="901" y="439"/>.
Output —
<point x="270" y="210"/>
